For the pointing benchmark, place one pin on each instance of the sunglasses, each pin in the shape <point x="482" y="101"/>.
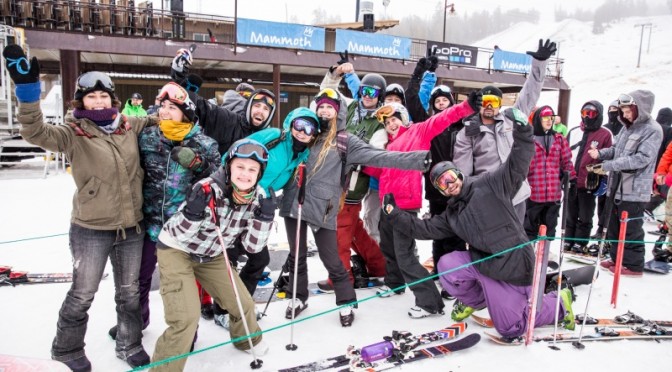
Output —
<point x="448" y="177"/>
<point x="93" y="79"/>
<point x="588" y="113"/>
<point x="174" y="93"/>
<point x="305" y="126"/>
<point x="250" y="150"/>
<point x="367" y="91"/>
<point x="492" y="100"/>
<point x="269" y="101"/>
<point x="330" y="93"/>
<point x="625" y="100"/>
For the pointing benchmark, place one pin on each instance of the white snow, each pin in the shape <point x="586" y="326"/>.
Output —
<point x="597" y="67"/>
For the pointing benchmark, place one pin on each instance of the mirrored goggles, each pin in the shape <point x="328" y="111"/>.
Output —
<point x="93" y="79"/>
<point x="448" y="177"/>
<point x="492" y="100"/>
<point x="626" y="100"/>
<point x="330" y="93"/>
<point x="588" y="113"/>
<point x="305" y="126"/>
<point x="245" y="94"/>
<point x="367" y="91"/>
<point x="249" y="150"/>
<point x="174" y="93"/>
<point x="269" y="101"/>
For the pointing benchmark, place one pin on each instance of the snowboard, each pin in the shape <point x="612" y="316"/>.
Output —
<point x="658" y="267"/>
<point x="262" y="294"/>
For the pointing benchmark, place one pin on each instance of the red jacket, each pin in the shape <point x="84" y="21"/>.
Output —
<point x="407" y="185"/>
<point x="546" y="170"/>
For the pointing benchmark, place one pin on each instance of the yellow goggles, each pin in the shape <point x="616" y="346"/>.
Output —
<point x="492" y="100"/>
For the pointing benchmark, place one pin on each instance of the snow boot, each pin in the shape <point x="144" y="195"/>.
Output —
<point x="347" y="315"/>
<point x="138" y="359"/>
<point x="568" y="321"/>
<point x="461" y="311"/>
<point x="81" y="364"/>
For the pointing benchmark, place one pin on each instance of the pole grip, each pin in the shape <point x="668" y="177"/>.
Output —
<point x="301" y="182"/>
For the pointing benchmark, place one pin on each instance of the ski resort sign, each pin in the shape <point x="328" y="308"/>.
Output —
<point x="369" y="44"/>
<point x="280" y="35"/>
<point x="453" y="53"/>
<point x="510" y="61"/>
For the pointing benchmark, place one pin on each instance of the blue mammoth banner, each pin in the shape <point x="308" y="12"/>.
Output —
<point x="510" y="61"/>
<point x="280" y="35"/>
<point x="370" y="44"/>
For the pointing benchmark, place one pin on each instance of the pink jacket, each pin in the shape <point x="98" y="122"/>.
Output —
<point x="407" y="185"/>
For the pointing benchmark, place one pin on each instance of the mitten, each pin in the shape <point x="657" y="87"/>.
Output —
<point x="187" y="157"/>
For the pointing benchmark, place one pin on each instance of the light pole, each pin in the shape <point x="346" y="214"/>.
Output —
<point x="452" y="11"/>
<point x="641" y="39"/>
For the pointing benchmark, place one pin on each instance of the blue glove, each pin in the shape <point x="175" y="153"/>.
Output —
<point x="602" y="189"/>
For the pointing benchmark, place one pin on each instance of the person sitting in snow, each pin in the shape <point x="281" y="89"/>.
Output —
<point x="482" y="213"/>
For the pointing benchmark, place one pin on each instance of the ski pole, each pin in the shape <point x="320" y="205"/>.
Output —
<point x="256" y="363"/>
<point x="301" y="196"/>
<point x="619" y="259"/>
<point x="532" y="309"/>
<point x="608" y="210"/>
<point x="275" y="287"/>
<point x="563" y="225"/>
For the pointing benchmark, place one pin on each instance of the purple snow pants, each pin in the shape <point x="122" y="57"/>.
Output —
<point x="506" y="303"/>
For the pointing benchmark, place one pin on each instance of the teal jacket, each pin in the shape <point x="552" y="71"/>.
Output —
<point x="281" y="164"/>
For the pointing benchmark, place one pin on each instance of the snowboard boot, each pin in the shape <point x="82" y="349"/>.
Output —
<point x="598" y="233"/>
<point x="325" y="286"/>
<point x="222" y="320"/>
<point x="81" y="364"/>
<point x="578" y="248"/>
<point x="568" y="321"/>
<point x="138" y="359"/>
<point x="299" y="306"/>
<point x="207" y="312"/>
<point x="461" y="311"/>
<point x="447" y="296"/>
<point x="567" y="247"/>
<point x="347" y="315"/>
<point x="662" y="253"/>
<point x="359" y="272"/>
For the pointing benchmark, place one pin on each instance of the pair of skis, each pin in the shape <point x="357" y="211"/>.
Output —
<point x="402" y="348"/>
<point x="12" y="278"/>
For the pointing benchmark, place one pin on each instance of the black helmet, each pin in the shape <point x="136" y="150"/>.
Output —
<point x="441" y="91"/>
<point x="441" y="168"/>
<point x="92" y="81"/>
<point x="374" y="80"/>
<point x="397" y="90"/>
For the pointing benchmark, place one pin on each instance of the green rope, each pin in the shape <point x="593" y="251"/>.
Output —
<point x="34" y="238"/>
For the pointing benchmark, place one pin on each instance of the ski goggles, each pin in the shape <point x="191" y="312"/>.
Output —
<point x="174" y="93"/>
<point x="245" y="94"/>
<point x="250" y="149"/>
<point x="492" y="101"/>
<point x="367" y="91"/>
<point x="94" y="79"/>
<point x="625" y="100"/>
<point x="588" y="112"/>
<point x="448" y="177"/>
<point x="306" y="126"/>
<point x="328" y="93"/>
<point x="267" y="100"/>
<point x="384" y="112"/>
<point x="442" y="88"/>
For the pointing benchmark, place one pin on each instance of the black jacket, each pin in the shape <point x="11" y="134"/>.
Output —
<point x="483" y="215"/>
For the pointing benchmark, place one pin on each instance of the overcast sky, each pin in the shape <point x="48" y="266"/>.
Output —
<point x="282" y="10"/>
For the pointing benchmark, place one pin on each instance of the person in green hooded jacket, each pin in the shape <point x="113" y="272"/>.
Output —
<point x="133" y="106"/>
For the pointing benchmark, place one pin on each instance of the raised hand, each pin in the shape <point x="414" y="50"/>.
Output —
<point x="544" y="51"/>
<point x="20" y="70"/>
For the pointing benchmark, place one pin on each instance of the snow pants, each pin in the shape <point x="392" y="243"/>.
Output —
<point x="633" y="253"/>
<point x="580" y="213"/>
<point x="507" y="303"/>
<point x="351" y="234"/>
<point x="371" y="204"/>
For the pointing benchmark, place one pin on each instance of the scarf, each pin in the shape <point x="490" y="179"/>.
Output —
<point x="175" y="130"/>
<point x="240" y="196"/>
<point x="106" y="119"/>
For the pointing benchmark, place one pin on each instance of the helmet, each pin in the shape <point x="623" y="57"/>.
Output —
<point x="441" y="91"/>
<point x="374" y="80"/>
<point x="246" y="148"/>
<point x="392" y="109"/>
<point x="441" y="168"/>
<point x="397" y="90"/>
<point x="92" y="81"/>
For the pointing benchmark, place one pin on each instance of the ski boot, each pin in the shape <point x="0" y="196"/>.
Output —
<point x="461" y="311"/>
<point x="567" y="297"/>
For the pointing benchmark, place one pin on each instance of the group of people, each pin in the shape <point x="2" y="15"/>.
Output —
<point x="195" y="186"/>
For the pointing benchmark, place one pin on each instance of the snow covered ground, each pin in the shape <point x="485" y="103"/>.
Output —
<point x="597" y="67"/>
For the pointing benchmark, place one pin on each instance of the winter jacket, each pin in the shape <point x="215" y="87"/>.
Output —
<point x="224" y="125"/>
<point x="166" y="182"/>
<point x="130" y="110"/>
<point x="234" y="102"/>
<point x="406" y="185"/>
<point x="665" y="164"/>
<point x="481" y="148"/>
<point x="594" y="136"/>
<point x="105" y="167"/>
<point x="664" y="118"/>
<point x="483" y="216"/>
<point x="634" y="153"/>
<point x="236" y="222"/>
<point x="549" y="163"/>
<point x="281" y="161"/>
<point x="323" y="186"/>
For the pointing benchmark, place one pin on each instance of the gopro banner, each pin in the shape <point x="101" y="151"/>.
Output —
<point x="280" y="35"/>
<point x="454" y="53"/>
<point x="510" y="61"/>
<point x="373" y="44"/>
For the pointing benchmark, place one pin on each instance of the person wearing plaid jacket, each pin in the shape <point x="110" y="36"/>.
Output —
<point x="552" y="158"/>
<point x="189" y="248"/>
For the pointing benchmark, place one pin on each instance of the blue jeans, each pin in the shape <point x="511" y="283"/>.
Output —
<point x="90" y="250"/>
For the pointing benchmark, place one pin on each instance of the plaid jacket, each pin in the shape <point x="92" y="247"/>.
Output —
<point x="546" y="170"/>
<point x="235" y="222"/>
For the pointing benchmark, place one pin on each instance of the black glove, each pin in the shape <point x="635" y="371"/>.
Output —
<point x="197" y="201"/>
<point x="516" y="116"/>
<point x="433" y="63"/>
<point x="475" y="100"/>
<point x="187" y="158"/>
<point x="389" y="205"/>
<point x="423" y="65"/>
<point x="428" y="162"/>
<point x="267" y="206"/>
<point x="545" y="50"/>
<point x="19" y="70"/>
<point x="344" y="58"/>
